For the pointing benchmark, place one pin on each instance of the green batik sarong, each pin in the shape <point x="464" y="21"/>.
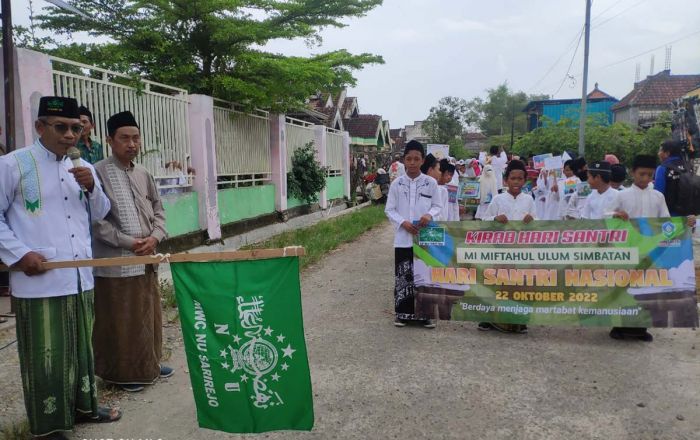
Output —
<point x="54" y="341"/>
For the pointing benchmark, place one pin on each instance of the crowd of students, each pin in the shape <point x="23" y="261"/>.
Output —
<point x="418" y="195"/>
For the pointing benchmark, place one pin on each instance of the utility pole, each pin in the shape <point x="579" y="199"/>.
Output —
<point x="584" y="94"/>
<point x="8" y="67"/>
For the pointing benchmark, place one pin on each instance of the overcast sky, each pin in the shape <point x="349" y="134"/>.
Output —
<point x="435" y="48"/>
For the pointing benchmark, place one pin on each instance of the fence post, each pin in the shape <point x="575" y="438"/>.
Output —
<point x="201" y="117"/>
<point x="320" y="142"/>
<point x="278" y="156"/>
<point x="346" y="164"/>
<point x="33" y="79"/>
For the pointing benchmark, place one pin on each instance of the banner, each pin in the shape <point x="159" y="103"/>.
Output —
<point x="586" y="272"/>
<point x="244" y="339"/>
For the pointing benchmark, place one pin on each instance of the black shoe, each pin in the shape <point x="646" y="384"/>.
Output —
<point x="429" y="323"/>
<point x="616" y="333"/>
<point x="631" y="333"/>
<point x="484" y="326"/>
<point x="399" y="322"/>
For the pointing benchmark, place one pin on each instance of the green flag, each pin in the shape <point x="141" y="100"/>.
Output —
<point x="244" y="338"/>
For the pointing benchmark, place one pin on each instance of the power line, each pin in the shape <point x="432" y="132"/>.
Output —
<point x="578" y="37"/>
<point x="647" y="51"/>
<point x="568" y="47"/>
<point x="618" y="14"/>
<point x="606" y="10"/>
<point x="573" y="57"/>
<point x="615" y="63"/>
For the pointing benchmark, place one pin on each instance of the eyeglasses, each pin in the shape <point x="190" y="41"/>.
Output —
<point x="62" y="128"/>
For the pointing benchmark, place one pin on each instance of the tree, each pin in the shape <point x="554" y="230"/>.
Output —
<point x="623" y="140"/>
<point x="446" y="123"/>
<point x="307" y="177"/>
<point x="446" y="120"/>
<point x="501" y="110"/>
<point x="214" y="46"/>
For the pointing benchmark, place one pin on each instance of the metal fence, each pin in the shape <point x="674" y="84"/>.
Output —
<point x="334" y="152"/>
<point x="160" y="110"/>
<point x="242" y="146"/>
<point x="299" y="133"/>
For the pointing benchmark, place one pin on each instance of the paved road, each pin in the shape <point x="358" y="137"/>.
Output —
<point x="374" y="381"/>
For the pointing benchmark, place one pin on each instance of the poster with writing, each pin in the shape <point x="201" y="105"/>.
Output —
<point x="539" y="160"/>
<point x="452" y="193"/>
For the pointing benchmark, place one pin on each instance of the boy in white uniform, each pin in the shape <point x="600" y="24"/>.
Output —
<point x="413" y="202"/>
<point x="641" y="200"/>
<point x="511" y="205"/>
<point x="602" y="201"/>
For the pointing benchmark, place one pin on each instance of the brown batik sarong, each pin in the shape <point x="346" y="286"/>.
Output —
<point x="128" y="330"/>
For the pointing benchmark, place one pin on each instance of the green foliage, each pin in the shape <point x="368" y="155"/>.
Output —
<point x="620" y="139"/>
<point x="494" y="115"/>
<point x="446" y="120"/>
<point x="213" y="46"/>
<point x="327" y="235"/>
<point x="457" y="149"/>
<point x="307" y="177"/>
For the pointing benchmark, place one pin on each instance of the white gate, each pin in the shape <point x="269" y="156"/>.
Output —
<point x="299" y="133"/>
<point x="160" y="110"/>
<point x="242" y="146"/>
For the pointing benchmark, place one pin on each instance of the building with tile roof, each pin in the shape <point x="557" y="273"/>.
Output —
<point x="653" y="96"/>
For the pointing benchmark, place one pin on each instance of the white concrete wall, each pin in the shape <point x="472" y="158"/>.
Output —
<point x="202" y="140"/>
<point x="33" y="80"/>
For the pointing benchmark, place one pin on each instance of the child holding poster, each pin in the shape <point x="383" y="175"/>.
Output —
<point x="447" y="171"/>
<point x="412" y="204"/>
<point x="561" y="193"/>
<point x="512" y="205"/>
<point x="574" y="208"/>
<point x="641" y="200"/>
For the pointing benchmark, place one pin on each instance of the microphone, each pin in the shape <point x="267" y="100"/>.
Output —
<point x="74" y="155"/>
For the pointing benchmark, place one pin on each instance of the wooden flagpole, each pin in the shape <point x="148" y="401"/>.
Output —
<point x="254" y="254"/>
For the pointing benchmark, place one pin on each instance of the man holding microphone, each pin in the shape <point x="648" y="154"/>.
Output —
<point x="45" y="207"/>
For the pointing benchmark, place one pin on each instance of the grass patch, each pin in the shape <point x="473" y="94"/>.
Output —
<point x="168" y="301"/>
<point x="326" y="235"/>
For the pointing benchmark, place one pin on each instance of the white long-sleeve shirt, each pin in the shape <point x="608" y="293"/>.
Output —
<point x="642" y="203"/>
<point x="515" y="208"/>
<point x="444" y="215"/>
<point x="409" y="200"/>
<point x="600" y="205"/>
<point x="498" y="163"/>
<point x="43" y="209"/>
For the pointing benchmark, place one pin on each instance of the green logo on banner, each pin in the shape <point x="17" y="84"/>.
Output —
<point x="433" y="236"/>
<point x="668" y="229"/>
<point x="259" y="356"/>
